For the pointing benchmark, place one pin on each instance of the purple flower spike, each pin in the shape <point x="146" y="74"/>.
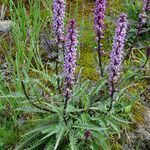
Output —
<point x="70" y="57"/>
<point x="143" y="15"/>
<point x="99" y="15"/>
<point x="146" y="6"/>
<point x="58" y="19"/>
<point x="117" y="51"/>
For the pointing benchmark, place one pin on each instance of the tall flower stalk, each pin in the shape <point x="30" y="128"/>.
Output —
<point x="58" y="28"/>
<point x="99" y="15"/>
<point x="116" y="55"/>
<point x="69" y="61"/>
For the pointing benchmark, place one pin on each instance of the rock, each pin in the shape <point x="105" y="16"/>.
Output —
<point x="5" y="25"/>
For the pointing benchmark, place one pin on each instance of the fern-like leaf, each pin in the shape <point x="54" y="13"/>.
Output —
<point x="59" y="137"/>
<point x="73" y="142"/>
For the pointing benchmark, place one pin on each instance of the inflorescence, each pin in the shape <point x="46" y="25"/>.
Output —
<point x="70" y="57"/>
<point x="117" y="52"/>
<point x="58" y="19"/>
<point x="99" y="15"/>
<point x="143" y="15"/>
<point x="146" y="6"/>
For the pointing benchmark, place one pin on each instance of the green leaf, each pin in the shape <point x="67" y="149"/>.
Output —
<point x="120" y="119"/>
<point x="49" y="134"/>
<point x="53" y="107"/>
<point x="49" y="145"/>
<point x="89" y="127"/>
<point x="27" y="140"/>
<point x="59" y="138"/>
<point x="56" y="109"/>
<point x="71" y="108"/>
<point x="78" y="92"/>
<point x="86" y="101"/>
<point x="48" y="129"/>
<point x="1" y="143"/>
<point x="128" y="108"/>
<point x="73" y="142"/>
<point x="114" y="126"/>
<point x="97" y="87"/>
<point x="122" y="91"/>
<point x="94" y="145"/>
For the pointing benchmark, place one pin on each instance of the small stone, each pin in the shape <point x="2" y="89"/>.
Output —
<point x="5" y="25"/>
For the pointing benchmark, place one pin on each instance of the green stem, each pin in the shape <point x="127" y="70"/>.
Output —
<point x="65" y="107"/>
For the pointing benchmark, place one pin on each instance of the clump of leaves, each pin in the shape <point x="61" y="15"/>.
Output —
<point x="88" y="123"/>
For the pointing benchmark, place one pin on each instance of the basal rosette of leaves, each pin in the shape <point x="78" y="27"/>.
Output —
<point x="89" y="124"/>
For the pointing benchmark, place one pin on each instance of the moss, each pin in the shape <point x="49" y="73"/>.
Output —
<point x="89" y="73"/>
<point x="9" y="137"/>
<point x="87" y="61"/>
<point x="117" y="146"/>
<point x="138" y="112"/>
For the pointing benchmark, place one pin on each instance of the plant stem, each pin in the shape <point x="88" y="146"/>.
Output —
<point x="57" y="71"/>
<point x="113" y="86"/>
<point x="112" y="96"/>
<point x="65" y="107"/>
<point x="99" y="56"/>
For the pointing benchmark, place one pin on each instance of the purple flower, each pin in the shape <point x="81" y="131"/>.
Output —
<point x="143" y="15"/>
<point x="99" y="15"/>
<point x="142" y="20"/>
<point x="117" y="51"/>
<point x="146" y="6"/>
<point x="70" y="57"/>
<point x="58" y="19"/>
<point x="87" y="134"/>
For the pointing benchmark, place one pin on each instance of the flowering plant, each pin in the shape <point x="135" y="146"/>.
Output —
<point x="69" y="111"/>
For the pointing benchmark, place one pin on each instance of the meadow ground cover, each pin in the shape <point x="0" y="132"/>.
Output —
<point x="74" y="75"/>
